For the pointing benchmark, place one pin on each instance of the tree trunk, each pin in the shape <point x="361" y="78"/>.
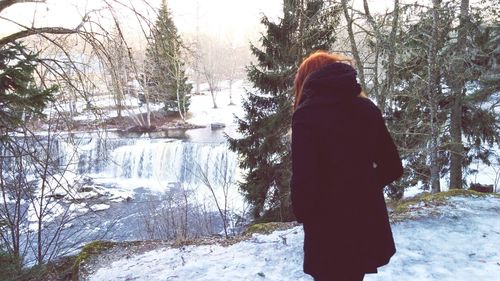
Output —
<point x="231" y="92"/>
<point x="178" y="80"/>
<point x="300" y="17"/>
<point x="456" y="146"/>
<point x="391" y="65"/>
<point x="354" y="47"/>
<point x="212" y="94"/>
<point x="432" y="84"/>
<point x="380" y="96"/>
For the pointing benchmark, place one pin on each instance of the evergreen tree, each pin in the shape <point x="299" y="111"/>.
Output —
<point x="165" y="74"/>
<point x="20" y="98"/>
<point x="457" y="84"/>
<point x="264" y="147"/>
<point x="21" y="101"/>
<point x="481" y="93"/>
<point x="409" y="113"/>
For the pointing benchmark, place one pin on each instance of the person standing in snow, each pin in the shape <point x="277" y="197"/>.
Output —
<point x="342" y="158"/>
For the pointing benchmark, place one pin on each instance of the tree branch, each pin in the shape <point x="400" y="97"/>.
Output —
<point x="33" y="31"/>
<point x="4" y="4"/>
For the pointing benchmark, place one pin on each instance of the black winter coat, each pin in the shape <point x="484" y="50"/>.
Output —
<point x="342" y="157"/>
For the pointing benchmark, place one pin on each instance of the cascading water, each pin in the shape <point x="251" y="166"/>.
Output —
<point x="113" y="187"/>
<point x="170" y="161"/>
<point x="163" y="161"/>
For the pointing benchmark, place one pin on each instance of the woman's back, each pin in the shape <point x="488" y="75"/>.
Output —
<point x="342" y="156"/>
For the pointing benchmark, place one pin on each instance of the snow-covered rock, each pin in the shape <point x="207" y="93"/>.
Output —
<point x="99" y="207"/>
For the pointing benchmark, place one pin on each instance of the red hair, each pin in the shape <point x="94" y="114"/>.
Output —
<point x="312" y="63"/>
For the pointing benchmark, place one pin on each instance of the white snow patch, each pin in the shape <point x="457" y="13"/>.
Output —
<point x="461" y="245"/>
<point x="49" y="212"/>
<point x="203" y="113"/>
<point x="78" y="207"/>
<point x="99" y="207"/>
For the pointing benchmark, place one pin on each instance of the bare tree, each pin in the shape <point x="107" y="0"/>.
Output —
<point x="212" y="65"/>
<point x="237" y="57"/>
<point x="218" y="178"/>
<point x="34" y="220"/>
<point x="354" y="47"/>
<point x="168" y="217"/>
<point x="383" y="50"/>
<point x="34" y="199"/>
<point x="116" y="65"/>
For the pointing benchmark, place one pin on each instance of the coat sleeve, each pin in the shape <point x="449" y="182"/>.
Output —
<point x="387" y="160"/>
<point x="304" y="182"/>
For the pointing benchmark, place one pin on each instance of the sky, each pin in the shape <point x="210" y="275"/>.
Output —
<point x="236" y="18"/>
<point x="217" y="17"/>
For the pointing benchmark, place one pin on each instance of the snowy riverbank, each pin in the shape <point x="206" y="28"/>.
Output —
<point x="461" y="241"/>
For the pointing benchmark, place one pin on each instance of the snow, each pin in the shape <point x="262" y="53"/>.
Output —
<point x="77" y="207"/>
<point x="50" y="211"/>
<point x="460" y="244"/>
<point x="201" y="107"/>
<point x="100" y="207"/>
<point x="203" y="113"/>
<point x="98" y="107"/>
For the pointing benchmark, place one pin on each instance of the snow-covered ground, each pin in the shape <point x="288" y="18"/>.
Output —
<point x="201" y="107"/>
<point x="462" y="243"/>
<point x="202" y="112"/>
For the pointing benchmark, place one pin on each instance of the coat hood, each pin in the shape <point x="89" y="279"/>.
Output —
<point x="331" y="83"/>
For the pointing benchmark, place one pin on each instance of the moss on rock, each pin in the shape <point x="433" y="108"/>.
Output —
<point x="404" y="209"/>
<point x="267" y="228"/>
<point x="90" y="250"/>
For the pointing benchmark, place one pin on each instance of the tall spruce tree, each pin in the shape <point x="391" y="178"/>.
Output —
<point x="264" y="146"/>
<point x="457" y="86"/>
<point x="165" y="71"/>
<point x="480" y="93"/>
<point x="409" y="114"/>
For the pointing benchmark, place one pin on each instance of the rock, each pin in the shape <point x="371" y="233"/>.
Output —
<point x="178" y="125"/>
<point x="78" y="207"/>
<point x="217" y="125"/>
<point x="89" y="195"/>
<point x="85" y="189"/>
<point x="87" y="180"/>
<point x="484" y="188"/>
<point x="58" y="196"/>
<point x="141" y="129"/>
<point x="99" y="207"/>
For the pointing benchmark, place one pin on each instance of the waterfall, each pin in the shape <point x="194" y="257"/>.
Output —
<point x="148" y="171"/>
<point x="172" y="161"/>
<point x="162" y="160"/>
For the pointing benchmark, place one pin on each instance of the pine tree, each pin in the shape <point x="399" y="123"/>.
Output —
<point x="417" y="116"/>
<point x="165" y="71"/>
<point x="20" y="98"/>
<point x="264" y="146"/>
<point x="457" y="86"/>
<point x="409" y="114"/>
<point x="481" y="93"/>
<point x="21" y="101"/>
